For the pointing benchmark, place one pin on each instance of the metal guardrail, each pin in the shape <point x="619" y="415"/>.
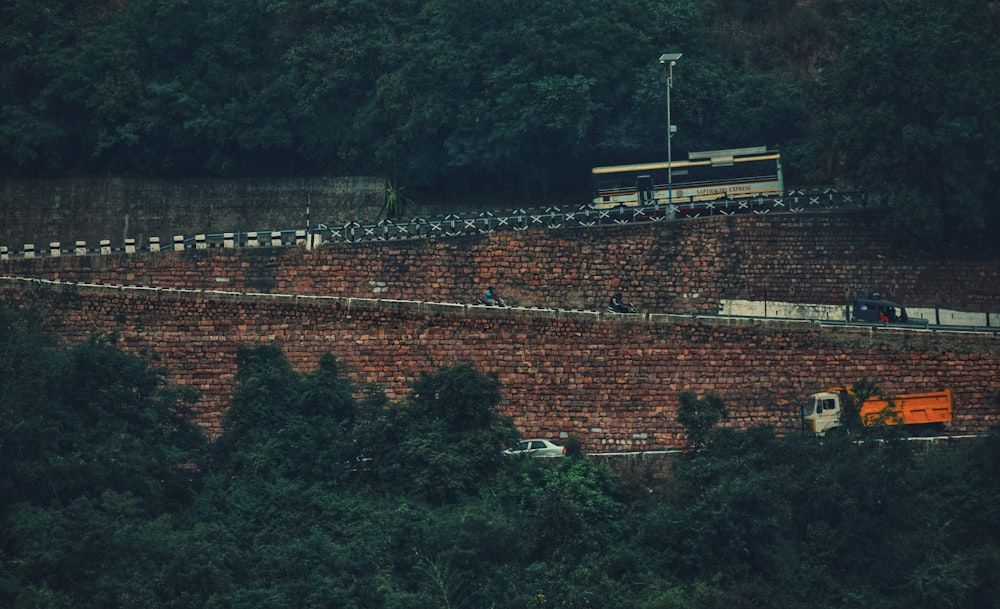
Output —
<point x="473" y="223"/>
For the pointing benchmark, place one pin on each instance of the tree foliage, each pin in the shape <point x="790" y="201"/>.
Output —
<point x="926" y="142"/>
<point x="89" y="419"/>
<point x="699" y="416"/>
<point x="282" y="423"/>
<point x="509" y="97"/>
<point x="320" y="494"/>
<point x="445" y="439"/>
<point x="97" y="456"/>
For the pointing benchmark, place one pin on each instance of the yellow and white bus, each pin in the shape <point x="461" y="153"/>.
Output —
<point x="737" y="173"/>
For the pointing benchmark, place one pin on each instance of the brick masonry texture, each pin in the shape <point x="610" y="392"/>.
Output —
<point x="611" y="382"/>
<point x="671" y="267"/>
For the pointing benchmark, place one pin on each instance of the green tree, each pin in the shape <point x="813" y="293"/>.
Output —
<point x="105" y="550"/>
<point x="97" y="457"/>
<point x="752" y="518"/>
<point x="699" y="416"/>
<point x="285" y="424"/>
<point x="572" y="507"/>
<point x="39" y="78"/>
<point x="270" y="541"/>
<point x="456" y="555"/>
<point x="925" y="143"/>
<point x="445" y="440"/>
<point x="951" y="547"/>
<point x="27" y="385"/>
<point x="515" y="95"/>
<point x="103" y="420"/>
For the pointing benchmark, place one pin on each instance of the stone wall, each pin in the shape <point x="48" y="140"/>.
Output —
<point x="40" y="212"/>
<point x="612" y="382"/>
<point x="670" y="267"/>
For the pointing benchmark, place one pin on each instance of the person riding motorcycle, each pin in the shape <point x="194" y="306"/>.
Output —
<point x="617" y="305"/>
<point x="491" y="299"/>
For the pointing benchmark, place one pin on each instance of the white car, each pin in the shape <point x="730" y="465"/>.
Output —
<point x="537" y="448"/>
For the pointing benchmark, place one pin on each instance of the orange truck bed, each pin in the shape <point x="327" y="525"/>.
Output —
<point x="912" y="409"/>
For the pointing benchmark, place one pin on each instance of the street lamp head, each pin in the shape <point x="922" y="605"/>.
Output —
<point x="669" y="58"/>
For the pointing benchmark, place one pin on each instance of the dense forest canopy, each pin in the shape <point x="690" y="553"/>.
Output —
<point x="517" y="98"/>
<point x="322" y="494"/>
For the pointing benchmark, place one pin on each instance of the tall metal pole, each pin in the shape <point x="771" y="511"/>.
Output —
<point x="670" y="137"/>
<point x="668" y="61"/>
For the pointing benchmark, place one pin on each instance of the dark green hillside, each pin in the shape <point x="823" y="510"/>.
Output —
<point x="314" y="498"/>
<point x="458" y="99"/>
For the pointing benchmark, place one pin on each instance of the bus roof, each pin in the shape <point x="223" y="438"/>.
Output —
<point x="711" y="154"/>
<point x="713" y="157"/>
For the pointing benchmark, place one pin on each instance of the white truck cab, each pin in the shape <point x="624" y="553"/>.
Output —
<point x="821" y="412"/>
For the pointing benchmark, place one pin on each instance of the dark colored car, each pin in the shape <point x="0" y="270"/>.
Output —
<point x="872" y="309"/>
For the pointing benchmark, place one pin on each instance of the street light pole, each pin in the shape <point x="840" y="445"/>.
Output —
<point x="668" y="61"/>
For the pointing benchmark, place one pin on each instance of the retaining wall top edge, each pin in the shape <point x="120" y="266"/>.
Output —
<point x="395" y="304"/>
<point x="467" y="310"/>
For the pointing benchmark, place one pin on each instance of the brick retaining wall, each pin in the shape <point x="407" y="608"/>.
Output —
<point x="672" y="267"/>
<point x="611" y="382"/>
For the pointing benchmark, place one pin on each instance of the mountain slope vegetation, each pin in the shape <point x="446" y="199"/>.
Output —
<point x="462" y="98"/>
<point x="323" y="494"/>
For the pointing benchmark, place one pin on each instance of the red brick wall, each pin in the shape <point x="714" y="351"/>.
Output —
<point x="611" y="382"/>
<point x="663" y="268"/>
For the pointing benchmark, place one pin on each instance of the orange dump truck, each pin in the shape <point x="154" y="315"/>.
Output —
<point x="923" y="414"/>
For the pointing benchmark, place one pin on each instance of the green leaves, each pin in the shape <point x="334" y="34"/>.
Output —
<point x="321" y="495"/>
<point x="571" y="507"/>
<point x="284" y="424"/>
<point x="101" y="420"/>
<point x="515" y="97"/>
<point x="699" y="416"/>
<point x="445" y="440"/>
<point x="924" y="141"/>
<point x="396" y="202"/>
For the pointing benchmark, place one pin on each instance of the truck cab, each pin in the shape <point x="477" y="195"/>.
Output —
<point x="821" y="412"/>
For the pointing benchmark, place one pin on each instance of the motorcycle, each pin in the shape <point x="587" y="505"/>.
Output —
<point x="626" y="307"/>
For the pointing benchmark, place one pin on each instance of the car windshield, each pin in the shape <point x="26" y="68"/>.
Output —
<point x="808" y="408"/>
